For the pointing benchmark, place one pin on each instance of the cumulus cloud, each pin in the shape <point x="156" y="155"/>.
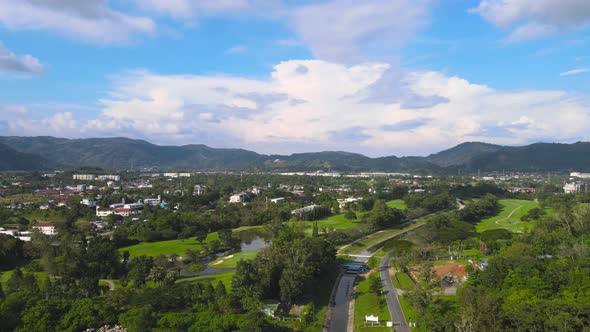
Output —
<point x="329" y="106"/>
<point x="535" y="18"/>
<point x="11" y="62"/>
<point x="337" y="30"/>
<point x="91" y="20"/>
<point x="575" y="72"/>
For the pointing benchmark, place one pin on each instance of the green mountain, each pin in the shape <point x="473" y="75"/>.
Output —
<point x="31" y="153"/>
<point x="462" y="154"/>
<point x="13" y="160"/>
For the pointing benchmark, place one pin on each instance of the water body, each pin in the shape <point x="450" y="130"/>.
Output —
<point x="250" y="240"/>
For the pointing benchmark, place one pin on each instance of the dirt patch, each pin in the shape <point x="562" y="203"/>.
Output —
<point x="454" y="268"/>
<point x="228" y="257"/>
<point x="217" y="262"/>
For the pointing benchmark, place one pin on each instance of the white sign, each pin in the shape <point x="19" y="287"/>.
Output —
<point x="372" y="318"/>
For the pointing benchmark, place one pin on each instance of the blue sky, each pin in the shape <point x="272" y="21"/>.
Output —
<point x="379" y="77"/>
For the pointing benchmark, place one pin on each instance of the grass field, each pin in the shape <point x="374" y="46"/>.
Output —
<point x="402" y="281"/>
<point x="213" y="279"/>
<point x="333" y="222"/>
<point x="398" y="204"/>
<point x="4" y="276"/>
<point x="232" y="261"/>
<point x="167" y="247"/>
<point x="407" y="309"/>
<point x="377" y="238"/>
<point x="367" y="303"/>
<point x="509" y="217"/>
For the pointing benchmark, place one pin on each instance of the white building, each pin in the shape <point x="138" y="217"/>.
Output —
<point x="111" y="177"/>
<point x="171" y="175"/>
<point x="88" y="202"/>
<point x="184" y="175"/>
<point x="46" y="228"/>
<point x="278" y="200"/>
<point x="580" y="175"/>
<point x="342" y="202"/>
<point x="305" y="209"/>
<point x="84" y="177"/>
<point x="570" y="188"/>
<point x="238" y="198"/>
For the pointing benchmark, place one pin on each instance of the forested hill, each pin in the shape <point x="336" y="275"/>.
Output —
<point x="37" y="153"/>
<point x="12" y="160"/>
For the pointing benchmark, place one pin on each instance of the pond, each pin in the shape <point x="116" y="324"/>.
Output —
<point x="250" y="240"/>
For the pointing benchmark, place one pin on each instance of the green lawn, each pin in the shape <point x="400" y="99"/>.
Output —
<point x="213" y="279"/>
<point x="398" y="204"/>
<point x="232" y="261"/>
<point x="509" y="217"/>
<point x="401" y="280"/>
<point x="407" y="309"/>
<point x="167" y="247"/>
<point x="333" y="222"/>
<point x="367" y="303"/>
<point x="377" y="238"/>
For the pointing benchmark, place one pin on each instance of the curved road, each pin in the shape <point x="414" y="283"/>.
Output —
<point x="339" y="321"/>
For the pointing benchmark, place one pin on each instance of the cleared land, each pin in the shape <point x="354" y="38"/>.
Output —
<point x="368" y="303"/>
<point x="509" y="217"/>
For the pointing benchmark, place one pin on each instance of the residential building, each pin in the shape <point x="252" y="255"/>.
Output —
<point x="46" y="228"/>
<point x="110" y="177"/>
<point x="238" y="198"/>
<point x="304" y="209"/>
<point x="570" y="188"/>
<point x="88" y="202"/>
<point x="580" y="175"/>
<point x="278" y="200"/>
<point x="84" y="177"/>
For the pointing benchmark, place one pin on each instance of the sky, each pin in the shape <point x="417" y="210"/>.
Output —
<point x="377" y="77"/>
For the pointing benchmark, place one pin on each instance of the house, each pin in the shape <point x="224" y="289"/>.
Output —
<point x="46" y="228"/>
<point x="570" y="188"/>
<point x="88" y="202"/>
<point x="278" y="200"/>
<point x="84" y="177"/>
<point x="238" y="198"/>
<point x="103" y="212"/>
<point x="305" y="209"/>
<point x="110" y="177"/>
<point x="343" y="202"/>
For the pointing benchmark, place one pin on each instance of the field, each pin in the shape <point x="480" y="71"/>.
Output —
<point x="230" y="262"/>
<point x="333" y="222"/>
<point x="402" y="281"/>
<point x="368" y="303"/>
<point x="398" y="204"/>
<point x="377" y="238"/>
<point x="167" y="248"/>
<point x="4" y="276"/>
<point x="509" y="217"/>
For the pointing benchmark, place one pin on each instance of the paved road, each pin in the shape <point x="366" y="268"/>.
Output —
<point x="342" y="298"/>
<point x="395" y="309"/>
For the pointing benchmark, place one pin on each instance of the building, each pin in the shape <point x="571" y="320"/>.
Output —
<point x="304" y="209"/>
<point x="580" y="175"/>
<point x="103" y="212"/>
<point x="184" y="175"/>
<point x="46" y="228"/>
<point x="278" y="200"/>
<point x="110" y="177"/>
<point x="84" y="177"/>
<point x="238" y="198"/>
<point x="343" y="202"/>
<point x="88" y="202"/>
<point x="570" y="188"/>
<point x="171" y="175"/>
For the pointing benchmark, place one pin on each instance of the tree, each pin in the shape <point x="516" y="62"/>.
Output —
<point x="140" y="269"/>
<point x="350" y="215"/>
<point x="157" y="274"/>
<point x="375" y="285"/>
<point x="138" y="319"/>
<point x="315" y="229"/>
<point x="225" y="236"/>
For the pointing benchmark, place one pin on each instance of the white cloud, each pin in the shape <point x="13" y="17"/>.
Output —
<point x="575" y="71"/>
<point x="91" y="20"/>
<point x="11" y="62"/>
<point x="192" y="8"/>
<point x="339" y="29"/>
<point x="327" y="106"/>
<point x="535" y="18"/>
<point x="15" y="109"/>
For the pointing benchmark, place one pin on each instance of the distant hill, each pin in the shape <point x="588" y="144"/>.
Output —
<point x="462" y="154"/>
<point x="32" y="153"/>
<point x="12" y="160"/>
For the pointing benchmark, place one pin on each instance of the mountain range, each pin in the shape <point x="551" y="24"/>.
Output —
<point x="44" y="153"/>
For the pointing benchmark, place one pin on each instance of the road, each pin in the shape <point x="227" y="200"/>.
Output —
<point x="395" y="308"/>
<point x="340" y="311"/>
